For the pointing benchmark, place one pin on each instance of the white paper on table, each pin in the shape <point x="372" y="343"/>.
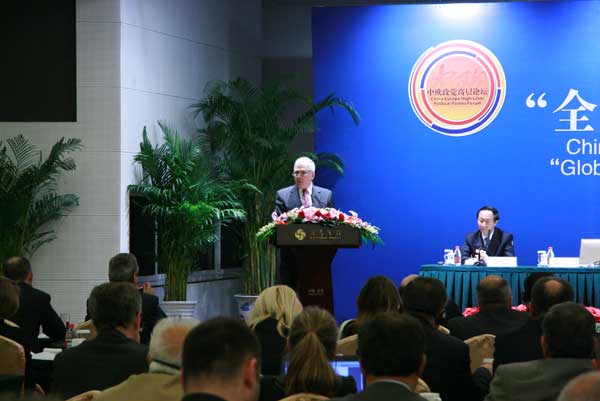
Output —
<point x="43" y="356"/>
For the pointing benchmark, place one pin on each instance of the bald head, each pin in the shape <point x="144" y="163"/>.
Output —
<point x="493" y="292"/>
<point x="547" y="292"/>
<point x="166" y="344"/>
<point x="585" y="387"/>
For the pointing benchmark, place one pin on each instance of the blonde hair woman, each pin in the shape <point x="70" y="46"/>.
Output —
<point x="271" y="319"/>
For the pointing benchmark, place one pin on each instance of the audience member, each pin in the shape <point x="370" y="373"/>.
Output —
<point x="271" y="319"/>
<point x="35" y="309"/>
<point x="221" y="362"/>
<point x="450" y="309"/>
<point x="567" y="342"/>
<point x="523" y="344"/>
<point x="585" y="387"/>
<point x="495" y="314"/>
<point x="162" y="382"/>
<point x="448" y="363"/>
<point x="123" y="267"/>
<point x="311" y="346"/>
<point x="392" y="358"/>
<point x="9" y="304"/>
<point x="379" y="294"/>
<point x="115" y="354"/>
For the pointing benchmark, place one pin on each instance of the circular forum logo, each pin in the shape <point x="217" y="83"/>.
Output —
<point x="457" y="88"/>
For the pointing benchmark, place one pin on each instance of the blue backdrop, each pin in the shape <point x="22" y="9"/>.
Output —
<point x="423" y="187"/>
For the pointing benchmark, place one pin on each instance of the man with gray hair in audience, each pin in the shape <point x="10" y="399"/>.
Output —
<point x="162" y="382"/>
<point x="585" y="387"/>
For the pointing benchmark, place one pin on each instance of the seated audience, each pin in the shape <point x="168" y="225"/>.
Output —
<point x="221" y="362"/>
<point x="271" y="319"/>
<point x="115" y="354"/>
<point x="450" y="309"/>
<point x="567" y="342"/>
<point x="379" y="294"/>
<point x="162" y="382"/>
<point x="585" y="387"/>
<point x="447" y="371"/>
<point x="392" y="358"/>
<point x="311" y="346"/>
<point x="35" y="309"/>
<point x="495" y="314"/>
<point x="523" y="344"/>
<point x="9" y="304"/>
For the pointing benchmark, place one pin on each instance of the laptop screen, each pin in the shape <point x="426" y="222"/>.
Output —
<point x="345" y="365"/>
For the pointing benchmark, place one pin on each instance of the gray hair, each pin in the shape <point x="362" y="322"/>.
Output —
<point x="122" y="267"/>
<point x="166" y="344"/>
<point x="306" y="162"/>
<point x="585" y="387"/>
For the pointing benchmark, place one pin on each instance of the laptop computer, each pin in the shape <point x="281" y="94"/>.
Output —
<point x="344" y="365"/>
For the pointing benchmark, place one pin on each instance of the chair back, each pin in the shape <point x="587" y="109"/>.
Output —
<point x="348" y="345"/>
<point x="11" y="323"/>
<point x="12" y="357"/>
<point x="443" y="329"/>
<point x="343" y="326"/>
<point x="480" y="347"/>
<point x="305" y="397"/>
<point x="422" y="387"/>
<point x="87" y="396"/>
<point x="87" y="325"/>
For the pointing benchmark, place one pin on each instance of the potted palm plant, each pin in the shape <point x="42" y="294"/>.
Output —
<point x="251" y="130"/>
<point x="29" y="200"/>
<point x="181" y="193"/>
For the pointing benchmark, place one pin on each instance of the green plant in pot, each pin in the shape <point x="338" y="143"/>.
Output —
<point x="29" y="200"/>
<point x="252" y="129"/>
<point x="179" y="190"/>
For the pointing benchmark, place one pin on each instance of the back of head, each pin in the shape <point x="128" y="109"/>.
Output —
<point x="279" y="302"/>
<point x="113" y="305"/>
<point x="312" y="341"/>
<point x="425" y="296"/>
<point x="122" y="267"/>
<point x="379" y="294"/>
<point x="166" y="344"/>
<point x="569" y="331"/>
<point x="17" y="268"/>
<point x="215" y="352"/>
<point x="391" y="345"/>
<point x="404" y="283"/>
<point x="585" y="387"/>
<point x="9" y="298"/>
<point x="530" y="282"/>
<point x="549" y="291"/>
<point x="493" y="292"/>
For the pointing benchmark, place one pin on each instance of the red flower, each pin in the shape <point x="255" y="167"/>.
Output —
<point x="301" y="214"/>
<point x="341" y="217"/>
<point x="318" y="213"/>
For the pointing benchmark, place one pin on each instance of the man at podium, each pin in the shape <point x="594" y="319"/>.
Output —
<point x="489" y="240"/>
<point x="302" y="194"/>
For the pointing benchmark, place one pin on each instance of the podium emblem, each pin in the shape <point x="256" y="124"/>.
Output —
<point x="300" y="234"/>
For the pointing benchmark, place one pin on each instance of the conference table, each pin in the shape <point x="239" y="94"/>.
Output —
<point x="461" y="281"/>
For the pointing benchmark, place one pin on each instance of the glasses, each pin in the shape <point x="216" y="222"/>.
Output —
<point x="300" y="173"/>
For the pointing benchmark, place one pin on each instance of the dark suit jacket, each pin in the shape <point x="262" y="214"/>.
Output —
<point x="202" y="397"/>
<point x="448" y="370"/>
<point x="496" y="322"/>
<point x="271" y="387"/>
<point x="98" y="364"/>
<point x="34" y="311"/>
<point x="17" y="335"/>
<point x="272" y="346"/>
<point x="383" y="391"/>
<point x="540" y="380"/>
<point x="501" y="244"/>
<point x="288" y="198"/>
<point x="520" y="345"/>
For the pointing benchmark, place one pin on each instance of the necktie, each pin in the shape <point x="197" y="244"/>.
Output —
<point x="486" y="242"/>
<point x="305" y="198"/>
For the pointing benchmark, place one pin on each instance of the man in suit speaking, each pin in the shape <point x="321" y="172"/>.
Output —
<point x="488" y="240"/>
<point x="302" y="194"/>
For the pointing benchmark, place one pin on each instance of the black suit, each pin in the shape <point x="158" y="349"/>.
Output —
<point x="521" y="345"/>
<point x="495" y="322"/>
<point x="501" y="244"/>
<point x="448" y="369"/>
<point x="272" y="346"/>
<point x="383" y="391"/>
<point x="34" y="311"/>
<point x="97" y="364"/>
<point x="202" y="397"/>
<point x="17" y="335"/>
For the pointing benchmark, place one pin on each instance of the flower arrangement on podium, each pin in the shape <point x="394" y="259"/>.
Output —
<point x="323" y="216"/>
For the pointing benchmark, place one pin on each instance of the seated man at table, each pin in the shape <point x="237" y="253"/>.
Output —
<point x="115" y="354"/>
<point x="488" y="240"/>
<point x="495" y="313"/>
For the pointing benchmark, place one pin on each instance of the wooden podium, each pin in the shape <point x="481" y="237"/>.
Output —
<point x="314" y="246"/>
